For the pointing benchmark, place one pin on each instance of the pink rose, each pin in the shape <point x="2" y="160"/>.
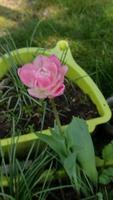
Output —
<point x="44" y="77"/>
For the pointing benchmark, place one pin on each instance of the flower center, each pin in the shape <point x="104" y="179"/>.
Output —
<point x="44" y="72"/>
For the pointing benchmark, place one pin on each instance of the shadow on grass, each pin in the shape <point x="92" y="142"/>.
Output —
<point x="8" y="13"/>
<point x="89" y="32"/>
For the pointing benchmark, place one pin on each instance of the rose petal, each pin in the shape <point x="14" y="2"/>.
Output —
<point x="58" y="92"/>
<point x="27" y="74"/>
<point x="40" y="61"/>
<point x="44" y="77"/>
<point x="63" y="70"/>
<point x="55" y="87"/>
<point x="55" y="60"/>
<point x="53" y="69"/>
<point x="36" y="92"/>
<point x="43" y="82"/>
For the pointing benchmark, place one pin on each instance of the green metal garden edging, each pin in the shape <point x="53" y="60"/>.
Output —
<point x="75" y="73"/>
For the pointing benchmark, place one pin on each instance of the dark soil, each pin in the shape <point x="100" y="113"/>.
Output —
<point x="72" y="103"/>
<point x="63" y="194"/>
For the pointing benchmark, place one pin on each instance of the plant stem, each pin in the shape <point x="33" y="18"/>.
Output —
<point x="56" y="114"/>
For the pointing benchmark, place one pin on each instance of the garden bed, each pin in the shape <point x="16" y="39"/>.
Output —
<point x="37" y="117"/>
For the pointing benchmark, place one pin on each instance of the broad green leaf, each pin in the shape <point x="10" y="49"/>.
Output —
<point x="107" y="152"/>
<point x="69" y="164"/>
<point x="55" y="130"/>
<point x="74" y="143"/>
<point x="108" y="163"/>
<point x="79" y="140"/>
<point x="56" y="142"/>
<point x="100" y="196"/>
<point x="106" y="176"/>
<point x="99" y="162"/>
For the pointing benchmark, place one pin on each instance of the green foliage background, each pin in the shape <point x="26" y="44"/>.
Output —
<point x="87" y="25"/>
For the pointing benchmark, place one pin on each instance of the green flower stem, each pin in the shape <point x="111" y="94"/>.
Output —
<point x="56" y="114"/>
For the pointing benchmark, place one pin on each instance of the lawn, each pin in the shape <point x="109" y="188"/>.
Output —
<point x="87" y="25"/>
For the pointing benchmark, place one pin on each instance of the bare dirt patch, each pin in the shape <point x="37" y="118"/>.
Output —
<point x="11" y="3"/>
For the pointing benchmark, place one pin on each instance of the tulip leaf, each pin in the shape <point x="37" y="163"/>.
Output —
<point x="73" y="144"/>
<point x="69" y="164"/>
<point x="56" y="142"/>
<point x="79" y="140"/>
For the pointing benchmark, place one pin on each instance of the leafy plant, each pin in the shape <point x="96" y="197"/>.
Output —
<point x="107" y="154"/>
<point x="72" y="147"/>
<point x="28" y="178"/>
<point x="106" y="176"/>
<point x="106" y="164"/>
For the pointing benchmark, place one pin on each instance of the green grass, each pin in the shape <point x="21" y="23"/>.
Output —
<point x="87" y="25"/>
